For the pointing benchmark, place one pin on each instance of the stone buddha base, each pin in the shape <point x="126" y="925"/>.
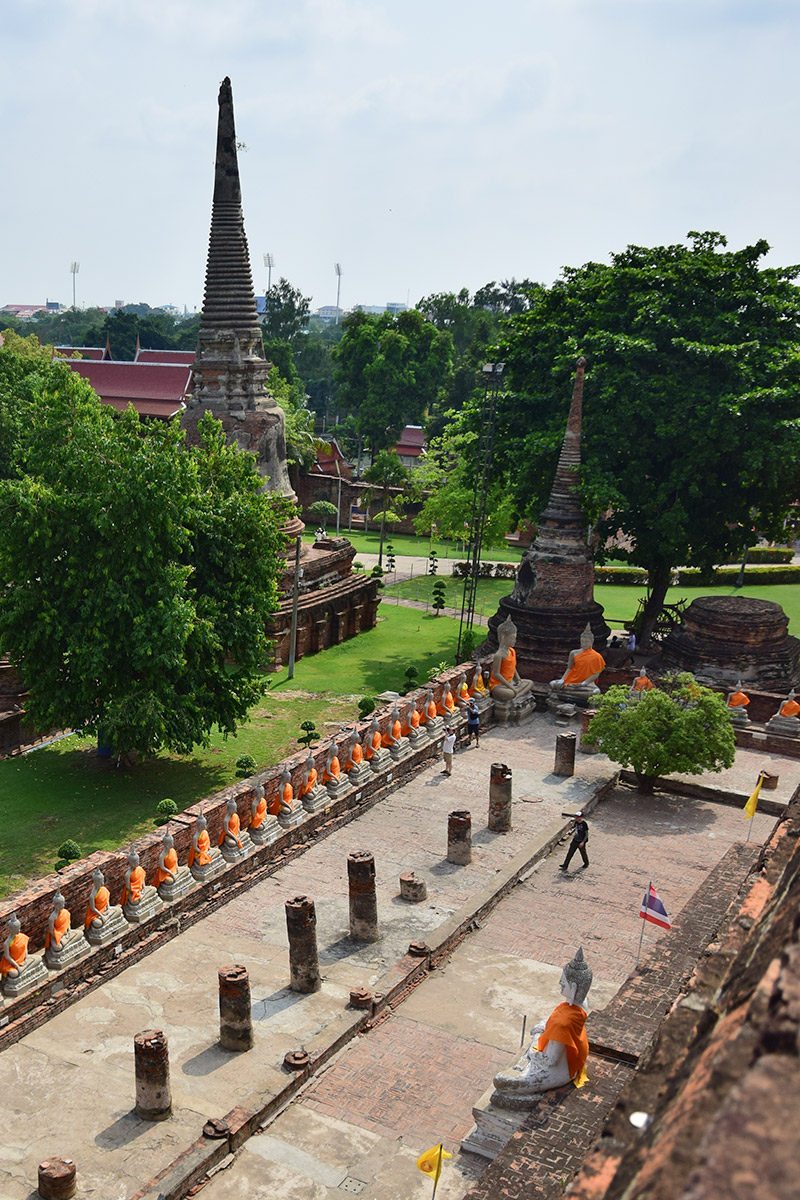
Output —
<point x="493" y="1127"/>
<point x="739" y="716"/>
<point x="381" y="760"/>
<point x="209" y="870"/>
<point x="268" y="831"/>
<point x="73" y="948"/>
<point x="416" y="737"/>
<point x="360" y="774"/>
<point x="32" y="973"/>
<point x="434" y="727"/>
<point x="400" y="750"/>
<point x="482" y="702"/>
<point x="511" y="712"/>
<point x="578" y="694"/>
<point x="182" y="885"/>
<point x="336" y="788"/>
<point x="783" y="726"/>
<point x="233" y="853"/>
<point x="113" y="927"/>
<point x="147" y="907"/>
<point x="316" y="799"/>
<point x="290" y="820"/>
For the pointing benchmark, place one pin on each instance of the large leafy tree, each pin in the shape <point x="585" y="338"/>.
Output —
<point x="386" y="472"/>
<point x="692" y="399"/>
<point x="286" y="312"/>
<point x="137" y="575"/>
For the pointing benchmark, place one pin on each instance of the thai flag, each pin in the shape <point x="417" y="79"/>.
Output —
<point x="653" y="910"/>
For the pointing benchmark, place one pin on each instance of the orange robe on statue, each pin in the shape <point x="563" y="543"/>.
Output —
<point x="201" y="856"/>
<point x="508" y="668"/>
<point x="18" y="950"/>
<point x="431" y="710"/>
<point x="136" y="885"/>
<point x="101" y="902"/>
<point x="233" y="827"/>
<point x="259" y="816"/>
<point x="585" y="664"/>
<point x="567" y="1025"/>
<point x="356" y="755"/>
<point x="789" y="708"/>
<point x="642" y="684"/>
<point x="310" y="783"/>
<point x="61" y="926"/>
<point x="168" y="872"/>
<point x="332" y="771"/>
<point x="738" y="700"/>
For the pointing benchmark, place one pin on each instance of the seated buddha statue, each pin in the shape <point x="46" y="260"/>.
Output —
<point x="287" y="793"/>
<point x="447" y="705"/>
<point x="737" y="702"/>
<point x="430" y="709"/>
<point x="232" y="842"/>
<point x="559" y="1049"/>
<point x="310" y="777"/>
<point x="462" y="692"/>
<point x="505" y="683"/>
<point x="583" y="667"/>
<point x="167" y="867"/>
<point x="134" y="881"/>
<point x="478" y="687"/>
<point x="790" y="707"/>
<point x="63" y="945"/>
<point x="200" y="850"/>
<point x="785" y="723"/>
<point x="354" y="755"/>
<point x="15" y="949"/>
<point x="332" y="769"/>
<point x="259" y="809"/>
<point x="97" y="908"/>
<point x="59" y="923"/>
<point x="641" y="684"/>
<point x="374" y="740"/>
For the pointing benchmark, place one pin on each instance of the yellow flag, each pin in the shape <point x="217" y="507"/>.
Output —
<point x="430" y="1163"/>
<point x="749" y="810"/>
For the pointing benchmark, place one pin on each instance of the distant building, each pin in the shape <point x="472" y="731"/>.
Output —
<point x="411" y="445"/>
<point x="329" y="460"/>
<point x="24" y="312"/>
<point x="392" y="307"/>
<point x="330" y="313"/>
<point x="93" y="353"/>
<point x="174" y="357"/>
<point x="154" y="389"/>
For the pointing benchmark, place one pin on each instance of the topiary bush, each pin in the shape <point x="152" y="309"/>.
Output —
<point x="69" y="850"/>
<point x="365" y="706"/>
<point x="164" y="810"/>
<point x="245" y="765"/>
<point x="309" y="734"/>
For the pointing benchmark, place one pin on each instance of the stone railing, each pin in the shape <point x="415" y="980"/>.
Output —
<point x="33" y="904"/>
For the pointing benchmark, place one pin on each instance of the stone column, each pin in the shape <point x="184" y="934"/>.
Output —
<point x="151" y="1056"/>
<point x="412" y="889"/>
<point x="586" y="717"/>
<point x="301" y="924"/>
<point x="363" y="901"/>
<point x="235" y="1020"/>
<point x="56" y="1179"/>
<point x="500" y="798"/>
<point x="459" y="838"/>
<point x="565" y="754"/>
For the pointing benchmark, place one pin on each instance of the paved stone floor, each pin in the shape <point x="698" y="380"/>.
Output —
<point x="68" y="1087"/>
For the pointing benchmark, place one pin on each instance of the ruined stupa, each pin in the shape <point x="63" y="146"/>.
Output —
<point x="553" y="599"/>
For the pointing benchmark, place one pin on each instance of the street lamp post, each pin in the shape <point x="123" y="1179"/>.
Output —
<point x="338" y="269"/>
<point x="74" y="267"/>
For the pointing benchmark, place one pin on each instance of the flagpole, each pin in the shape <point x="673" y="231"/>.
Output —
<point x="438" y="1172"/>
<point x="749" y="828"/>
<point x="641" y="935"/>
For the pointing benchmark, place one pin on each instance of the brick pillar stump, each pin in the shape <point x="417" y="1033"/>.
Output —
<point x="586" y="717"/>
<point x="565" y="754"/>
<point x="56" y="1179"/>
<point x="412" y="889"/>
<point x="235" y="1019"/>
<point x="500" y="798"/>
<point x="459" y="837"/>
<point x="363" y="901"/>
<point x="301" y="925"/>
<point x="151" y="1058"/>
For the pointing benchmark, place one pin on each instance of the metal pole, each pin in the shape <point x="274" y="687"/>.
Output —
<point x="295" y="600"/>
<point x="338" y="497"/>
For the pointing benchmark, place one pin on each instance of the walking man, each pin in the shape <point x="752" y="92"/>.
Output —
<point x="473" y="723"/>
<point x="448" y="746"/>
<point x="580" y="837"/>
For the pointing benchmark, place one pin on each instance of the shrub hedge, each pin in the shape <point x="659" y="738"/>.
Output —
<point x="636" y="577"/>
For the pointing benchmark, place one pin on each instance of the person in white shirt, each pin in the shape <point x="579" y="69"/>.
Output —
<point x="448" y="746"/>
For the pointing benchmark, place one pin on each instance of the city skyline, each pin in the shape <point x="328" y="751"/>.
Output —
<point x="425" y="149"/>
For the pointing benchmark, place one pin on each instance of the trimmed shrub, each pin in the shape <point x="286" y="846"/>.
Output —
<point x="366" y="705"/>
<point x="770" y="554"/>
<point x="68" y="851"/>
<point x="245" y="765"/>
<point x="165" y="809"/>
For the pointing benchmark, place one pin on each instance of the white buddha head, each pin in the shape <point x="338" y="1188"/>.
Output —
<point x="587" y="638"/>
<point x="507" y="633"/>
<point x="576" y="979"/>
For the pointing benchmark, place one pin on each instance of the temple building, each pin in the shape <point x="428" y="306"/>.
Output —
<point x="553" y="599"/>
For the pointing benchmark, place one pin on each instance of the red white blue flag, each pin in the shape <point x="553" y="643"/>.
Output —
<point x="653" y="910"/>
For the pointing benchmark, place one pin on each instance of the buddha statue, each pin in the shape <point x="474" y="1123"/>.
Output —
<point x="397" y="743"/>
<point x="374" y="752"/>
<point x="410" y="726"/>
<point x="785" y="723"/>
<point x="583" y="667"/>
<point x="737" y="702"/>
<point x="462" y="693"/>
<point x="505" y="683"/>
<point x="559" y="1049"/>
<point x="19" y="971"/>
<point x="356" y="769"/>
<point x="641" y="684"/>
<point x="63" y="945"/>
<point x="234" y="842"/>
<point x="290" y="812"/>
<point x="104" y="922"/>
<point x="431" y="711"/>
<point x="204" y="860"/>
<point x="139" y="901"/>
<point x="171" y="881"/>
<point x="335" y="781"/>
<point x="313" y="795"/>
<point x="433" y="723"/>
<point x="263" y="827"/>
<point x="447" y="705"/>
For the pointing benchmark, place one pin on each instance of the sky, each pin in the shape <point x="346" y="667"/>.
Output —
<point x="426" y="145"/>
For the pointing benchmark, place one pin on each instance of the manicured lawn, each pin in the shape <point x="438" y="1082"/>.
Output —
<point x="620" y="603"/>
<point x="407" y="544"/>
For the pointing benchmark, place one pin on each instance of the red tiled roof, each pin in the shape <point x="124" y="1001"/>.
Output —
<point x="173" y="357"/>
<point x="94" y="353"/>
<point x="154" y="389"/>
<point x="411" y="442"/>
<point x="327" y="458"/>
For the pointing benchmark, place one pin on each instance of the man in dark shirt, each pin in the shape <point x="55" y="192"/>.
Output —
<point x="580" y="837"/>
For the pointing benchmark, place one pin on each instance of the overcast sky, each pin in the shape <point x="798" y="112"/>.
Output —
<point x="427" y="145"/>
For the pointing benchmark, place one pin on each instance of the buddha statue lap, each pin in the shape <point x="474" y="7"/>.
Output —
<point x="313" y="796"/>
<point x="333" y="777"/>
<point x="399" y="747"/>
<point x="559" y="1049"/>
<point x="104" y="922"/>
<point x="377" y="757"/>
<point x="171" y="880"/>
<point x="737" y="702"/>
<point x="19" y="970"/>
<point x="290" y="810"/>
<point x="434" y="724"/>
<point x="447" y="705"/>
<point x="139" y="900"/>
<point x="234" y="842"/>
<point x="263" y="827"/>
<point x="205" y="861"/>
<point x="786" y="722"/>
<point x="358" y="771"/>
<point x="584" y="665"/>
<point x="63" y="945"/>
<point x="505" y="684"/>
<point x="641" y="684"/>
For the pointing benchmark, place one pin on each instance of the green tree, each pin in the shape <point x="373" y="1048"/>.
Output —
<point x="677" y="727"/>
<point x="437" y="599"/>
<point x="322" y="511"/>
<point x="286" y="312"/>
<point x="386" y="472"/>
<point x="691" y="407"/>
<point x="137" y="575"/>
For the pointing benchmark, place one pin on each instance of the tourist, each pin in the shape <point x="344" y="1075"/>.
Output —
<point x="580" y="837"/>
<point x="448" y="746"/>
<point x="632" y="642"/>
<point x="473" y="723"/>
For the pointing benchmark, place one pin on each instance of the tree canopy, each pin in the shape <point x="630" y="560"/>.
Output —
<point x="137" y="574"/>
<point x="286" y="311"/>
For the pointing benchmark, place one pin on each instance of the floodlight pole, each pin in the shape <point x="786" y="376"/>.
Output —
<point x="74" y="267"/>
<point x="269" y="263"/>
<point x="338" y="269"/>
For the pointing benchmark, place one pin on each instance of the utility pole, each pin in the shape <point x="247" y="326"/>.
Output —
<point x="338" y="269"/>
<point x="295" y="602"/>
<point x="269" y="263"/>
<point x="74" y="267"/>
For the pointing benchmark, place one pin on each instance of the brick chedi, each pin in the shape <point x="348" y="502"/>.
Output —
<point x="553" y="598"/>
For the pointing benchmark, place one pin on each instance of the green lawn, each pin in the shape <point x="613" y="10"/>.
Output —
<point x="63" y="791"/>
<point x="407" y="544"/>
<point x="620" y="603"/>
